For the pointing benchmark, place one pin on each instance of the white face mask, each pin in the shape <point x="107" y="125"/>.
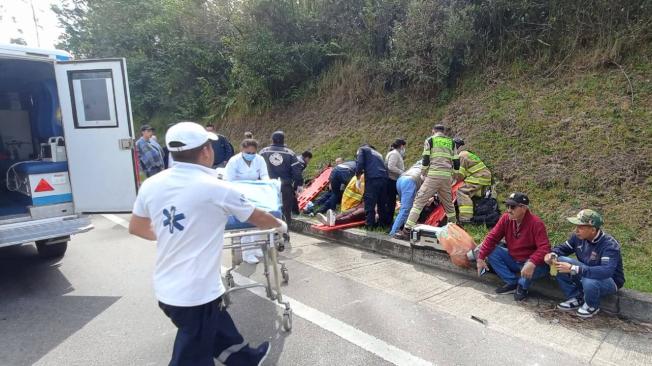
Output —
<point x="402" y="152"/>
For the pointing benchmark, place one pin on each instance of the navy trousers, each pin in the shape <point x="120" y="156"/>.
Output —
<point x="338" y="180"/>
<point x="375" y="196"/>
<point x="206" y="332"/>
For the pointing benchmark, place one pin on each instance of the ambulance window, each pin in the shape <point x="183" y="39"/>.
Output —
<point x="93" y="100"/>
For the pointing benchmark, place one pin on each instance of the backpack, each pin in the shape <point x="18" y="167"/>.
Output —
<point x="486" y="211"/>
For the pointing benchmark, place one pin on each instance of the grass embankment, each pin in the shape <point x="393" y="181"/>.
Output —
<point x="571" y="140"/>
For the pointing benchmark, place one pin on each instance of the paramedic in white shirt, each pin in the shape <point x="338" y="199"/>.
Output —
<point x="247" y="165"/>
<point x="179" y="208"/>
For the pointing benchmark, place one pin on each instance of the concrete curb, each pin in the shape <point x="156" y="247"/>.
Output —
<point x="626" y="303"/>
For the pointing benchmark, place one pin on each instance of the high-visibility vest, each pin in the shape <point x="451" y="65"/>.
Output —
<point x="441" y="155"/>
<point x="351" y="196"/>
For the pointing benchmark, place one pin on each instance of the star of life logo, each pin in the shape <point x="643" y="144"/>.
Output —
<point x="172" y="219"/>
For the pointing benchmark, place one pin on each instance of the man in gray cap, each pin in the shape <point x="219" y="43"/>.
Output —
<point x="150" y="153"/>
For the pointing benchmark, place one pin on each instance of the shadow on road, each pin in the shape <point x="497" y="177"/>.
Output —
<point x="35" y="314"/>
<point x="259" y="320"/>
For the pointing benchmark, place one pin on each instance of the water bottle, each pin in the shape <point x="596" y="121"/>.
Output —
<point x="553" y="264"/>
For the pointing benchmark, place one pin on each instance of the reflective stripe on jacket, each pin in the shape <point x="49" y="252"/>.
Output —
<point x="352" y="196"/>
<point x="438" y="155"/>
<point x="473" y="170"/>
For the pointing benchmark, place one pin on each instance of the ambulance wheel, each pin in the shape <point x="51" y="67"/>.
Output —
<point x="287" y="320"/>
<point x="53" y="250"/>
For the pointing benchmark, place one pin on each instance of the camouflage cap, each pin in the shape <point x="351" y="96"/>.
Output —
<point x="587" y="217"/>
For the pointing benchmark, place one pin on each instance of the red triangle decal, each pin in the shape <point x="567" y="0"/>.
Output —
<point x="43" y="186"/>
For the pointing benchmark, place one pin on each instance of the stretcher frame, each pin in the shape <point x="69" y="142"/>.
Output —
<point x="270" y="246"/>
<point x="318" y="184"/>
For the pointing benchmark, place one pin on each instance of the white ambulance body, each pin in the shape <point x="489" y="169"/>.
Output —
<point x="66" y="145"/>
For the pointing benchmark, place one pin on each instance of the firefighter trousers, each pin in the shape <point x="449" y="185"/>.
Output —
<point x="436" y="184"/>
<point x="465" y="196"/>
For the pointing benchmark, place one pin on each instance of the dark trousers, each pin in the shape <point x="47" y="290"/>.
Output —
<point x="390" y="201"/>
<point x="590" y="290"/>
<point x="288" y="198"/>
<point x="205" y="332"/>
<point x="323" y="199"/>
<point x="338" y="181"/>
<point x="354" y="214"/>
<point x="509" y="269"/>
<point x="375" y="197"/>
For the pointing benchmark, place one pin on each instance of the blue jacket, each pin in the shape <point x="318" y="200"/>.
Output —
<point x="222" y="149"/>
<point x="150" y="156"/>
<point x="282" y="163"/>
<point x="371" y="163"/>
<point x="345" y="171"/>
<point x="600" y="258"/>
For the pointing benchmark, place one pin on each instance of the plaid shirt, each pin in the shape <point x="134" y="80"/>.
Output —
<point x="150" y="156"/>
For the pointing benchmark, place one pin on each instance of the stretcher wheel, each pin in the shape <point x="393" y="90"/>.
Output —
<point x="230" y="282"/>
<point x="287" y="320"/>
<point x="285" y="274"/>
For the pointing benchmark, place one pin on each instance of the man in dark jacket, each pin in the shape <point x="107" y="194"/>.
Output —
<point x="520" y="261"/>
<point x="304" y="159"/>
<point x="282" y="164"/>
<point x="372" y="164"/>
<point x="597" y="271"/>
<point x="339" y="178"/>
<point x="222" y="148"/>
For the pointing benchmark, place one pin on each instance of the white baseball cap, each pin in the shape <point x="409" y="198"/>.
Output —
<point x="186" y="136"/>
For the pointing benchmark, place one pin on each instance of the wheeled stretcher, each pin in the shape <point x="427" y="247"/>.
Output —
<point x="240" y="236"/>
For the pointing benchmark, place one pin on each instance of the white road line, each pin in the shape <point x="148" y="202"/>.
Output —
<point x="117" y="219"/>
<point x="345" y="331"/>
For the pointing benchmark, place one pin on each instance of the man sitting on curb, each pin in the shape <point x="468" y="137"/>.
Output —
<point x="526" y="245"/>
<point x="598" y="270"/>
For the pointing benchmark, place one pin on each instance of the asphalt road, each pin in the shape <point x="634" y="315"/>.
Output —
<point x="96" y="307"/>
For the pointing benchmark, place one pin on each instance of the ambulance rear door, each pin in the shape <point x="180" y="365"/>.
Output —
<point x="98" y="133"/>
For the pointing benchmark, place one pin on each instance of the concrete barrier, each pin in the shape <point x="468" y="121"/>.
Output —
<point x="626" y="303"/>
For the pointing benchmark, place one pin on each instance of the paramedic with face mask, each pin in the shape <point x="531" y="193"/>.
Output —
<point x="247" y="165"/>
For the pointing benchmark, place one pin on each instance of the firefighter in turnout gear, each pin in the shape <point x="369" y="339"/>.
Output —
<point x="476" y="177"/>
<point x="438" y="163"/>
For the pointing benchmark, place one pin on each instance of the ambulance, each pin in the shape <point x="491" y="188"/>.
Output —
<point x="66" y="146"/>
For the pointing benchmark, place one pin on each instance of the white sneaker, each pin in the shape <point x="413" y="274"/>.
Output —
<point x="322" y="219"/>
<point x="249" y="257"/>
<point x="586" y="311"/>
<point x="330" y="214"/>
<point x="570" y="304"/>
